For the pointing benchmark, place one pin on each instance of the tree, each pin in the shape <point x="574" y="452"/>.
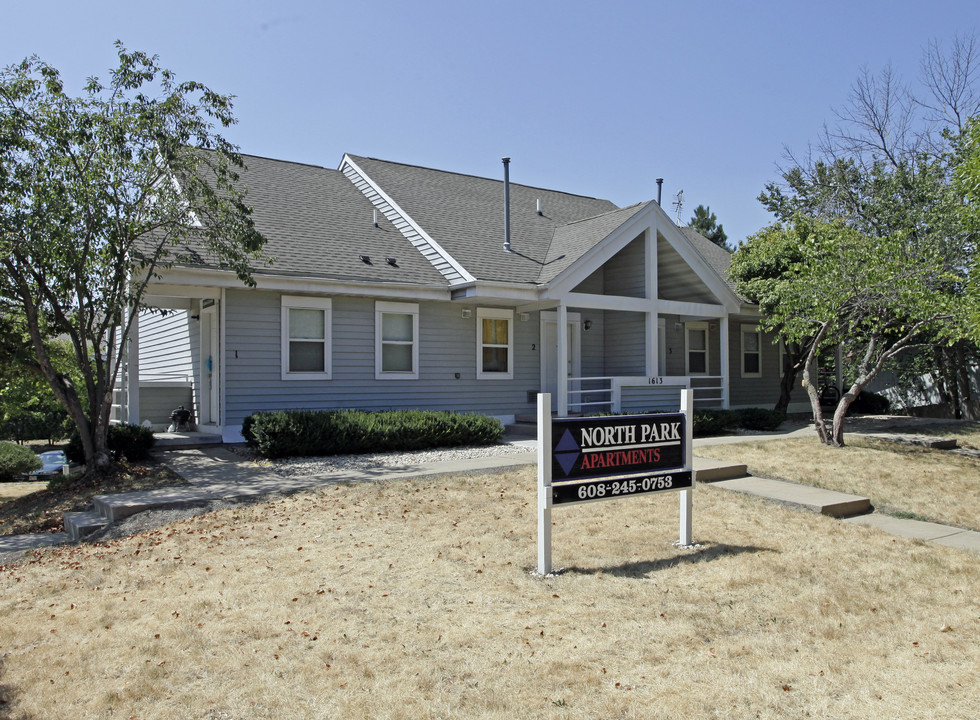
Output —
<point x="706" y="223"/>
<point x="885" y="169"/>
<point x="98" y="194"/>
<point x="755" y="268"/>
<point x="875" y="297"/>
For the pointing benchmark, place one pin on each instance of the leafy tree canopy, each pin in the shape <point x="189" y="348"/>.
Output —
<point x="98" y="194"/>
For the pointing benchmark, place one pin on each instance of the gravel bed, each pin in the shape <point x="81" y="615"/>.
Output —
<point x="308" y="466"/>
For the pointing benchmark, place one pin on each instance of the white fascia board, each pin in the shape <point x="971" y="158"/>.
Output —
<point x="482" y="290"/>
<point x="415" y="226"/>
<point x="654" y="219"/>
<point x="214" y="279"/>
<point x="678" y="307"/>
<point x="608" y="302"/>
<point x="598" y="254"/>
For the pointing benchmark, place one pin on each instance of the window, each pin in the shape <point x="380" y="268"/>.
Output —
<point x="305" y="338"/>
<point x="396" y="347"/>
<point x="751" y="351"/>
<point x="494" y="344"/>
<point x="696" y="348"/>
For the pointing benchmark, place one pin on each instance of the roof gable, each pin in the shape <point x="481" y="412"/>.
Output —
<point x="465" y="214"/>
<point x="319" y="225"/>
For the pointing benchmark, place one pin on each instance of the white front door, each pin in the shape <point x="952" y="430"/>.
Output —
<point x="549" y="355"/>
<point x="210" y="387"/>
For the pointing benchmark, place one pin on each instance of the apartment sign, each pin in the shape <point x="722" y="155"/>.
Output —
<point x="634" y="445"/>
<point x="585" y="459"/>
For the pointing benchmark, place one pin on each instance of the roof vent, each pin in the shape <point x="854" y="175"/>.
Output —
<point x="540" y="211"/>
<point x="391" y="261"/>
<point x="506" y="162"/>
<point x="376" y="217"/>
<point x="366" y="259"/>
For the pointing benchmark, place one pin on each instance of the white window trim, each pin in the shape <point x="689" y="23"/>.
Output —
<point x="381" y="308"/>
<point x="306" y="303"/>
<point x="687" y="350"/>
<point x="494" y="314"/>
<point x="743" y="329"/>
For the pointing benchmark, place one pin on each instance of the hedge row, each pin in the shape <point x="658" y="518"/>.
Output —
<point x="123" y="441"/>
<point x="713" y="422"/>
<point x="16" y="460"/>
<point x="295" y="433"/>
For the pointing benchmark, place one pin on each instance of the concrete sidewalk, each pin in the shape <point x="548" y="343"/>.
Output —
<point x="218" y="474"/>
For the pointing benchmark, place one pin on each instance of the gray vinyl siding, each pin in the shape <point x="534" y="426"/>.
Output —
<point x="167" y="345"/>
<point x="447" y="346"/>
<point x="753" y="391"/>
<point x="649" y="398"/>
<point x="625" y="272"/>
<point x="625" y="343"/>
<point x="169" y="348"/>
<point x="158" y="401"/>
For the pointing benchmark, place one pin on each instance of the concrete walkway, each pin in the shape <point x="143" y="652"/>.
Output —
<point x="217" y="474"/>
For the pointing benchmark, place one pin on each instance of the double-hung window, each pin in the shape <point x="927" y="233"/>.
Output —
<point x="305" y="338"/>
<point x="751" y="351"/>
<point x="494" y="344"/>
<point x="696" y="348"/>
<point x="396" y="341"/>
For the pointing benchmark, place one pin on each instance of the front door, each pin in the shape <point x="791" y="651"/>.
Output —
<point x="210" y="384"/>
<point x="549" y="355"/>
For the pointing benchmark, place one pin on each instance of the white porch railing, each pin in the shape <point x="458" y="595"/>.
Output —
<point x="609" y="392"/>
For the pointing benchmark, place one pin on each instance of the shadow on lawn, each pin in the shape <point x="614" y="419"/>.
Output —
<point x="704" y="552"/>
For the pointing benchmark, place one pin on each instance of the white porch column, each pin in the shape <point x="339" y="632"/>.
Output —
<point x="562" y="359"/>
<point x="133" y="373"/>
<point x="651" y="291"/>
<point x="725" y="364"/>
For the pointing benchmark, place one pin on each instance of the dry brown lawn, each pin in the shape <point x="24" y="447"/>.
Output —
<point x="967" y="433"/>
<point x="931" y="484"/>
<point x="11" y="490"/>
<point x="415" y="600"/>
<point x="33" y="507"/>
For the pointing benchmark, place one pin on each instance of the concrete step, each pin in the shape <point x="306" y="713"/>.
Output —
<point x="122" y="505"/>
<point x="826" y="502"/>
<point x="933" y="443"/>
<point x="709" y="470"/>
<point x="80" y="524"/>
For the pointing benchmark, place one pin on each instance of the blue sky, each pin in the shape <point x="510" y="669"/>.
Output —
<point x="593" y="98"/>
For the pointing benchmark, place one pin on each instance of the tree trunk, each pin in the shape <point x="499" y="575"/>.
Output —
<point x="811" y="371"/>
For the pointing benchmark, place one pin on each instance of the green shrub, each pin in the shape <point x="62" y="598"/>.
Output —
<point x="760" y="419"/>
<point x="713" y="422"/>
<point x="16" y="460"/>
<point x="869" y="403"/>
<point x="130" y="442"/>
<point x="291" y="433"/>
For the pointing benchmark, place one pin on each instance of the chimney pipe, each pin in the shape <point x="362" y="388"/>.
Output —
<point x="506" y="162"/>
<point x="660" y="188"/>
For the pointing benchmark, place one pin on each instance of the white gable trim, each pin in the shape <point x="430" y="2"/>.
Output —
<point x="441" y="260"/>
<point x="651" y="219"/>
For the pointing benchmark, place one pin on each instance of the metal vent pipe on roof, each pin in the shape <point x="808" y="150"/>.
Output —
<point x="506" y="162"/>
<point x="660" y="188"/>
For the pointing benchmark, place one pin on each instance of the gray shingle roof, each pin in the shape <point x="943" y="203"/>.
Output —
<point x="717" y="257"/>
<point x="317" y="224"/>
<point x="465" y="214"/>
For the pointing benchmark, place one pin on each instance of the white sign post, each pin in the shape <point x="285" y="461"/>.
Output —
<point x="605" y="458"/>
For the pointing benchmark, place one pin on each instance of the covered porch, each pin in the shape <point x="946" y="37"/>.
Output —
<point x="173" y="358"/>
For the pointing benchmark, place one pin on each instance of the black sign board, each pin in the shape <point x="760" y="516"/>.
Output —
<point x="620" y="487"/>
<point x="620" y="445"/>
